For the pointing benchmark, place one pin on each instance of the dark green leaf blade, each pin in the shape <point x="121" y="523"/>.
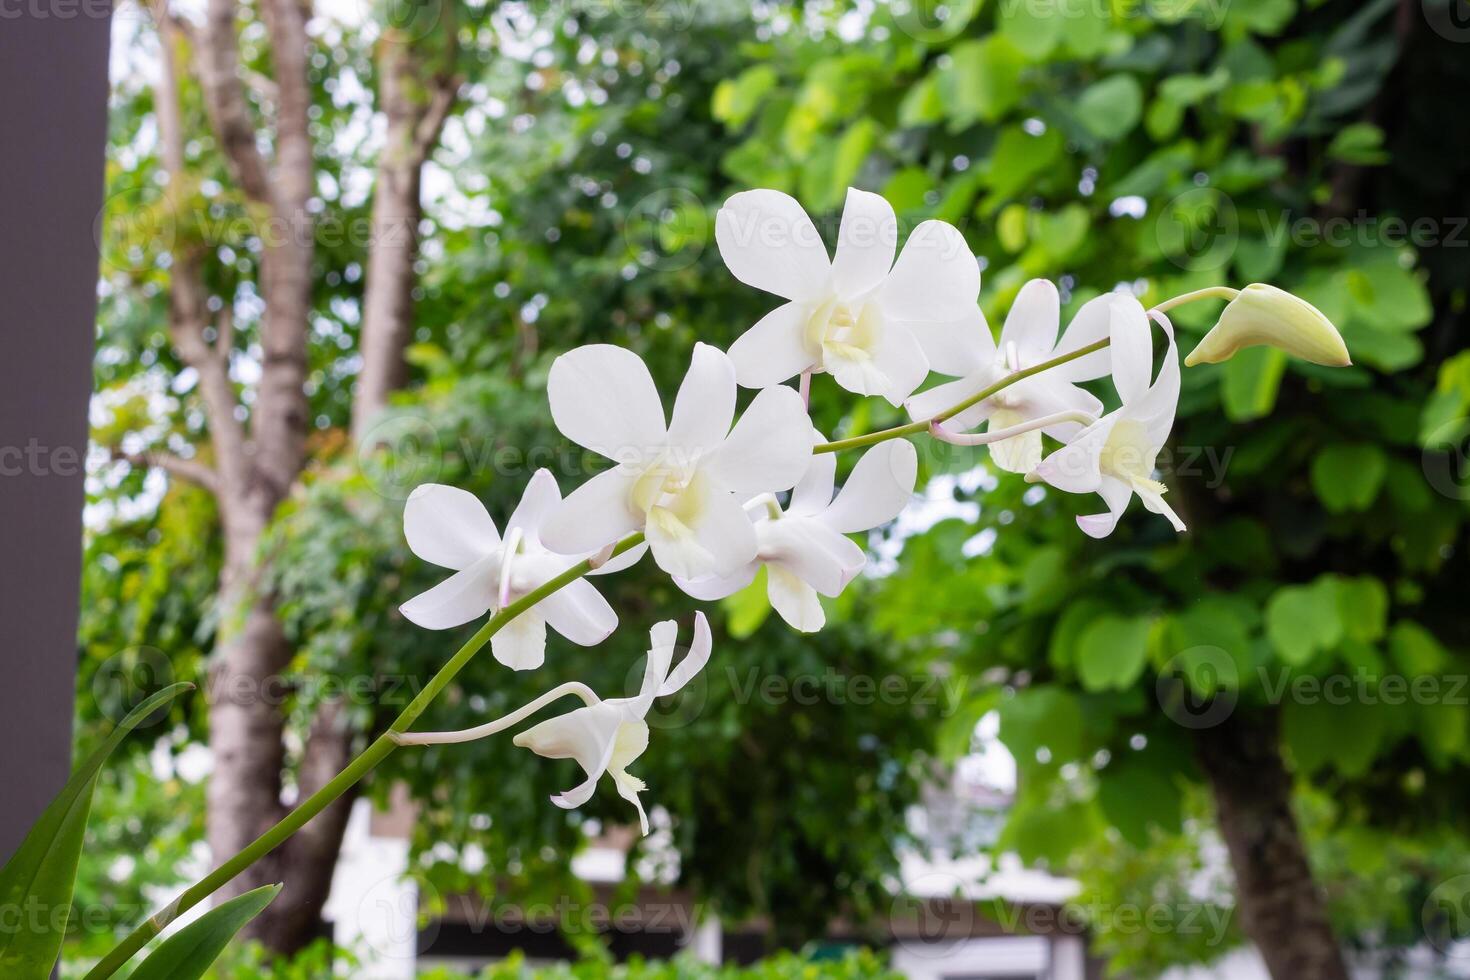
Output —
<point x="39" y="878"/>
<point x="189" y="952"/>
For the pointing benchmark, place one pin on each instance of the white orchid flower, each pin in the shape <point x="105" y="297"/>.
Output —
<point x="1028" y="338"/>
<point x="860" y="316"/>
<point x="804" y="548"/>
<point x="451" y="528"/>
<point x="1114" y="457"/>
<point x="604" y="736"/>
<point x="681" y="484"/>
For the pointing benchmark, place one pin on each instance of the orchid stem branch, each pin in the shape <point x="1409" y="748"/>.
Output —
<point x="915" y="428"/>
<point x="985" y="438"/>
<point x="1209" y="292"/>
<point x="574" y="688"/>
<point x="359" y="767"/>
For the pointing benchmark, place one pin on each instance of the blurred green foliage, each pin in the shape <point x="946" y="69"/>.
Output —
<point x="859" y="964"/>
<point x="1163" y="146"/>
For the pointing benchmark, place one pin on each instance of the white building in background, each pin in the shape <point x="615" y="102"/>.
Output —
<point x="936" y="931"/>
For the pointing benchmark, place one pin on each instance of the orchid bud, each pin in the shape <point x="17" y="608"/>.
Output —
<point x="1263" y="314"/>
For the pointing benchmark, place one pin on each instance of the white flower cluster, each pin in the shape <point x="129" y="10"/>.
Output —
<point x="699" y="488"/>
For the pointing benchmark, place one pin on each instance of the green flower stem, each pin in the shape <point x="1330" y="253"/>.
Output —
<point x="914" y="428"/>
<point x="1209" y="292"/>
<point x="359" y="767"/>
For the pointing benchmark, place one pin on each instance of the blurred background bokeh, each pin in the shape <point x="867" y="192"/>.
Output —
<point x="1014" y="751"/>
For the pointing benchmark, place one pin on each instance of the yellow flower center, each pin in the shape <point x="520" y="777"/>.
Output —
<point x="1128" y="456"/>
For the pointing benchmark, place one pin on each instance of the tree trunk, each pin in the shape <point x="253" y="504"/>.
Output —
<point x="1282" y="910"/>
<point x="415" y="104"/>
<point x="256" y="467"/>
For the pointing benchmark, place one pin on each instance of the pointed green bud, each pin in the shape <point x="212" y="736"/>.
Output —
<point x="1263" y="314"/>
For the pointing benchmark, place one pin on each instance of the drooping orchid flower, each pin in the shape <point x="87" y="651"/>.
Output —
<point x="1029" y="337"/>
<point x="1263" y="314"/>
<point x="604" y="737"/>
<point x="1115" y="456"/>
<point x="451" y="528"/>
<point x="681" y="484"/>
<point x="860" y="316"/>
<point x="804" y="548"/>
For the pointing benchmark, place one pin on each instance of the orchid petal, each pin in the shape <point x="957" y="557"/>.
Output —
<point x="813" y="552"/>
<point x="775" y="349"/>
<point x="705" y="405"/>
<point x="866" y="241"/>
<point x="587" y="735"/>
<point x="579" y="612"/>
<point x="1019" y="453"/>
<point x="694" y="660"/>
<point x="813" y="492"/>
<point x="1031" y="325"/>
<point x="448" y="526"/>
<point x="539" y="501"/>
<point x="936" y="277"/>
<point x="880" y="486"/>
<point x="719" y="586"/>
<point x="901" y="359"/>
<point x="769" y="242"/>
<point x="603" y="399"/>
<point x="956" y="347"/>
<point x="1132" y="348"/>
<point x="521" y="643"/>
<point x="626" y="560"/>
<point x="1092" y="322"/>
<point x="464" y="596"/>
<point x="769" y="448"/>
<point x="1077" y="466"/>
<point x="794" y="600"/>
<point x="594" y="514"/>
<point x="1115" y="494"/>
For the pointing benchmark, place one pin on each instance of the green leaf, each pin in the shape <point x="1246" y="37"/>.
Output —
<point x="1360" y="144"/>
<point x="1042" y="718"/>
<point x="748" y="608"/>
<point x="1322" y="730"/>
<point x="1109" y="109"/>
<point x="1389" y="296"/>
<point x="1415" y="650"/>
<point x="1035" y="33"/>
<point x="1302" y="620"/>
<point x="42" y="872"/>
<point x="1348" y="477"/>
<point x="189" y="952"/>
<point x="983" y="80"/>
<point x="1135" y="795"/>
<point x="1363" y="603"/>
<point x="1250" y="381"/>
<point x="736" y="99"/>
<point x="1111" y="652"/>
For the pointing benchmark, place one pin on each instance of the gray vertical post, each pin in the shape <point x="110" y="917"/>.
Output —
<point x="53" y="130"/>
